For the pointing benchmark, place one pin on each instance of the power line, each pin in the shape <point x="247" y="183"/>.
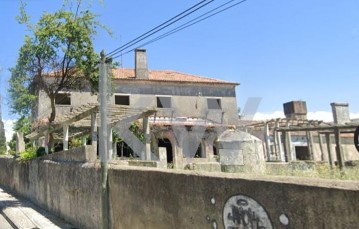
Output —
<point x="188" y="24"/>
<point x="160" y="27"/>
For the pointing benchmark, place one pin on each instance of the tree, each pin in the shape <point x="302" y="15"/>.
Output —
<point x="58" y="55"/>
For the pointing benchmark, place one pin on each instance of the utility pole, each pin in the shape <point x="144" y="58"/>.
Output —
<point x="103" y="140"/>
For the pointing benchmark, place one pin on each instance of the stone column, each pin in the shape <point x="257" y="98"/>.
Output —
<point x="339" y="150"/>
<point x="146" y="130"/>
<point x="267" y="141"/>
<point x="288" y="146"/>
<point x="321" y="147"/>
<point x="47" y="142"/>
<point x="310" y="144"/>
<point x="110" y="144"/>
<point x="329" y="144"/>
<point x="94" y="130"/>
<point x="279" y="143"/>
<point x="65" y="141"/>
<point x="114" y="149"/>
<point x="84" y="140"/>
<point x="20" y="144"/>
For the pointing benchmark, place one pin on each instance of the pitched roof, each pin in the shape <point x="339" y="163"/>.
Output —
<point x="167" y="76"/>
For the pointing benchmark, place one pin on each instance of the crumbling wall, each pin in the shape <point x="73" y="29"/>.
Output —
<point x="154" y="198"/>
<point x="70" y="190"/>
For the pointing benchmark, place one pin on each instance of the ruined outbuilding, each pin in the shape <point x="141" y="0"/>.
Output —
<point x="297" y="138"/>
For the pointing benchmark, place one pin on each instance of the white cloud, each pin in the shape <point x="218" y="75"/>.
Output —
<point x="318" y="115"/>
<point x="8" y="125"/>
<point x="268" y="116"/>
<point x="321" y="115"/>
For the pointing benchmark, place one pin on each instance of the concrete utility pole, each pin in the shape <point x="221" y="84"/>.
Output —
<point x="103" y="140"/>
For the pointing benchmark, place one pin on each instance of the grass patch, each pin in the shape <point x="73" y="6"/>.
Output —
<point x="28" y="154"/>
<point x="315" y="170"/>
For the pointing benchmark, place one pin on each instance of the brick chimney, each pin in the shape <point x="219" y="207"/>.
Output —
<point x="340" y="113"/>
<point x="295" y="110"/>
<point x="141" y="69"/>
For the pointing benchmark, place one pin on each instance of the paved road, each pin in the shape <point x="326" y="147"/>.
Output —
<point x="19" y="213"/>
<point x="4" y="224"/>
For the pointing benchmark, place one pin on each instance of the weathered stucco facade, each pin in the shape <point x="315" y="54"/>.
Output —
<point x="205" y="107"/>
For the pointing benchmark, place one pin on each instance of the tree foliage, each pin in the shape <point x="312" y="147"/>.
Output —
<point x="57" y="55"/>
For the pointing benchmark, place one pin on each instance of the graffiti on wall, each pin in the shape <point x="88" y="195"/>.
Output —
<point x="243" y="212"/>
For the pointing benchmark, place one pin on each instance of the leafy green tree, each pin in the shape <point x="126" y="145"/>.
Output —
<point x="57" y="55"/>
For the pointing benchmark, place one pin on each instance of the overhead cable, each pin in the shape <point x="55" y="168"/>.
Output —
<point x="160" y="27"/>
<point x="192" y="22"/>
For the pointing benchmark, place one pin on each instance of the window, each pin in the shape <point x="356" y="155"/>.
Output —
<point x="164" y="102"/>
<point x="122" y="100"/>
<point x="214" y="104"/>
<point x="63" y="99"/>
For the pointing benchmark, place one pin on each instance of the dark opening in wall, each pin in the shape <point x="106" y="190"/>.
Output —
<point x="302" y="153"/>
<point x="214" y="104"/>
<point x="215" y="149"/>
<point x="199" y="151"/>
<point x="164" y="142"/>
<point x="63" y="99"/>
<point x="123" y="150"/>
<point x="164" y="102"/>
<point x="122" y="100"/>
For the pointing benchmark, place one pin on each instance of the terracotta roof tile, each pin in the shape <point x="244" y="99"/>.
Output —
<point x="167" y="76"/>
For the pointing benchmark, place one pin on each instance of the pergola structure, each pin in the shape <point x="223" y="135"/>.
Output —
<point x="84" y="120"/>
<point x="286" y="126"/>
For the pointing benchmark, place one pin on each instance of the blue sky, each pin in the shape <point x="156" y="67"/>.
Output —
<point x="278" y="50"/>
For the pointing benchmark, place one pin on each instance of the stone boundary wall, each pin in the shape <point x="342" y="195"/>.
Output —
<point x="69" y="190"/>
<point x="82" y="154"/>
<point x="154" y="198"/>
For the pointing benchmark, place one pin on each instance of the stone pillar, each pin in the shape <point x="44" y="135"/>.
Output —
<point x="93" y="130"/>
<point x="275" y="144"/>
<point x="65" y="141"/>
<point x="339" y="150"/>
<point x="20" y="144"/>
<point x="114" y="149"/>
<point x="46" y="143"/>
<point x="84" y="140"/>
<point x="279" y="142"/>
<point x="288" y="146"/>
<point x="146" y="130"/>
<point x="267" y="141"/>
<point x="162" y="154"/>
<point x="321" y="147"/>
<point x="329" y="148"/>
<point x="110" y="144"/>
<point x="310" y="144"/>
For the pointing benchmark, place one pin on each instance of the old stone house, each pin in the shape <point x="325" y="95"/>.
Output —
<point x="191" y="111"/>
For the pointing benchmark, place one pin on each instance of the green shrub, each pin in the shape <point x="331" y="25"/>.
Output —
<point x="28" y="154"/>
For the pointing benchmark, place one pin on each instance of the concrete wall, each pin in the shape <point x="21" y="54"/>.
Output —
<point x="153" y="198"/>
<point x="70" y="190"/>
